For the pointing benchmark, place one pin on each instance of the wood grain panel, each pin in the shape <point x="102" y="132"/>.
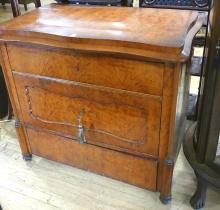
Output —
<point x="146" y="77"/>
<point x="130" y="169"/>
<point x="111" y="74"/>
<point x="111" y="118"/>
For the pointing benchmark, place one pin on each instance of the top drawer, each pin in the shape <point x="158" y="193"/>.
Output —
<point x="103" y="70"/>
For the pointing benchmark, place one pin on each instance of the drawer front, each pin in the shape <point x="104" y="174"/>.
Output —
<point x="110" y="118"/>
<point x="138" y="76"/>
<point x="131" y="169"/>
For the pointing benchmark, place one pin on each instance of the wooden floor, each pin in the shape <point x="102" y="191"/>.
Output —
<point x="46" y="185"/>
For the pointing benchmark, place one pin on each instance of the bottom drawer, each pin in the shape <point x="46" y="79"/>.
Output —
<point x="131" y="169"/>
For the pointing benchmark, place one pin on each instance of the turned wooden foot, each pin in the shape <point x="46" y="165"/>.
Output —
<point x="198" y="199"/>
<point x="37" y="3"/>
<point x="165" y="191"/>
<point x="25" y="7"/>
<point x="165" y="199"/>
<point x="27" y="157"/>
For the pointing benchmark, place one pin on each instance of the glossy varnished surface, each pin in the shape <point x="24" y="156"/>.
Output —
<point x="120" y="67"/>
<point x="116" y="26"/>
<point x="114" y="23"/>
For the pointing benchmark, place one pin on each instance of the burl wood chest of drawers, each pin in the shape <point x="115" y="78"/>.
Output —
<point x="101" y="88"/>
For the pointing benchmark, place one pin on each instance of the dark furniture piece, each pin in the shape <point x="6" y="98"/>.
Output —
<point x="202" y="143"/>
<point x="97" y="2"/>
<point x="91" y="97"/>
<point x="15" y="8"/>
<point x="24" y="2"/>
<point x="3" y="96"/>
<point x="177" y="4"/>
<point x="15" y="5"/>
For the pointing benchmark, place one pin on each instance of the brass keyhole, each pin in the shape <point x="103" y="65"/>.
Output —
<point x="77" y="67"/>
<point x="81" y="135"/>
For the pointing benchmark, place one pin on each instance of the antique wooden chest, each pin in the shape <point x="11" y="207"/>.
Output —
<point x="101" y="88"/>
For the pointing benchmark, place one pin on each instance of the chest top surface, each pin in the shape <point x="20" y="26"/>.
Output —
<point x="148" y="29"/>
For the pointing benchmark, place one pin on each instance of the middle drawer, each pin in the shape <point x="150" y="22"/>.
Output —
<point x="110" y="118"/>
